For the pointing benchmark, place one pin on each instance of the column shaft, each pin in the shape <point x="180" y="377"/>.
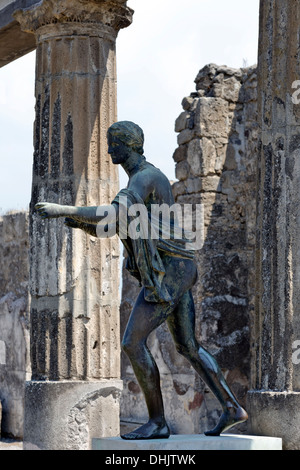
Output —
<point x="276" y="377"/>
<point x="74" y="278"/>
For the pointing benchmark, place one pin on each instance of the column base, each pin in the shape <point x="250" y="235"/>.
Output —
<point x="275" y="414"/>
<point x="66" y="415"/>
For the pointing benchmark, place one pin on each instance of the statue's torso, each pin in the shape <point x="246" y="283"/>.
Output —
<point x="151" y="185"/>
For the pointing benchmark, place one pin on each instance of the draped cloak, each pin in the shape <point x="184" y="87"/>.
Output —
<point x="145" y="252"/>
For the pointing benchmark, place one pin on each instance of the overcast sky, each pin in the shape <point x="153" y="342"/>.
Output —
<point x="158" y="58"/>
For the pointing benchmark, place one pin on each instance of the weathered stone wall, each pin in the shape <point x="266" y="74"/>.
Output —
<point x="215" y="167"/>
<point x="14" y="321"/>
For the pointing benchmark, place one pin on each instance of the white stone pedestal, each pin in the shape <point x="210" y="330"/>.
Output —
<point x="191" y="442"/>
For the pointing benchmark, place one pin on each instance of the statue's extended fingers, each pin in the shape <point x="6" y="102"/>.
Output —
<point x="42" y="213"/>
<point x="40" y="205"/>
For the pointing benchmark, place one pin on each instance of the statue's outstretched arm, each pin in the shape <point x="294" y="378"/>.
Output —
<point x="90" y="229"/>
<point x="88" y="215"/>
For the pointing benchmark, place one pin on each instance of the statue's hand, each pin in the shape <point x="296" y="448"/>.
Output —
<point x="69" y="222"/>
<point x="48" y="210"/>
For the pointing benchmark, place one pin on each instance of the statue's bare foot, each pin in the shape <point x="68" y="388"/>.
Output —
<point x="230" y="417"/>
<point x="150" y="430"/>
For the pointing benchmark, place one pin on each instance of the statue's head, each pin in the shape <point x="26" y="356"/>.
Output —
<point x="127" y="133"/>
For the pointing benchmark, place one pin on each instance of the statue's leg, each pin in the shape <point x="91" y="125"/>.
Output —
<point x="182" y="327"/>
<point x="146" y="317"/>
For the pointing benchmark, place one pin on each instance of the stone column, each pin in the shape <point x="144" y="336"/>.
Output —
<point x="274" y="402"/>
<point x="75" y="353"/>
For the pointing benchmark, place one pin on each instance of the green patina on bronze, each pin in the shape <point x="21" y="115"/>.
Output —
<point x="166" y="272"/>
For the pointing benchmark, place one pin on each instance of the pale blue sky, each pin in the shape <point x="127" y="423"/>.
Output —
<point x="158" y="58"/>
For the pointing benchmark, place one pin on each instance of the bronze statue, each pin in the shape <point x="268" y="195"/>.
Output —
<point x="166" y="272"/>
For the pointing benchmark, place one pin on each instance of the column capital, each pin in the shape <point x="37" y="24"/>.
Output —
<point x="112" y="13"/>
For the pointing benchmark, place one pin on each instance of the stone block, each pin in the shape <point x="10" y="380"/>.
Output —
<point x="228" y="89"/>
<point x="211" y="183"/>
<point x="178" y="189"/>
<point x="181" y="121"/>
<point x="212" y="118"/>
<point x="182" y="170"/>
<point x="205" y="77"/>
<point x="180" y="154"/>
<point x="66" y="415"/>
<point x="187" y="103"/>
<point x="185" y="136"/>
<point x="275" y="414"/>
<point x="201" y="156"/>
<point x="192" y="442"/>
<point x="193" y="185"/>
<point x="14" y="43"/>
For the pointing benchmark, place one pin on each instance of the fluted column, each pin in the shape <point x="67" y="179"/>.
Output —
<point x="274" y="401"/>
<point x="74" y="277"/>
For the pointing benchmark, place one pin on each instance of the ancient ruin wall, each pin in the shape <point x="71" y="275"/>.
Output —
<point x="215" y="167"/>
<point x="14" y="321"/>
